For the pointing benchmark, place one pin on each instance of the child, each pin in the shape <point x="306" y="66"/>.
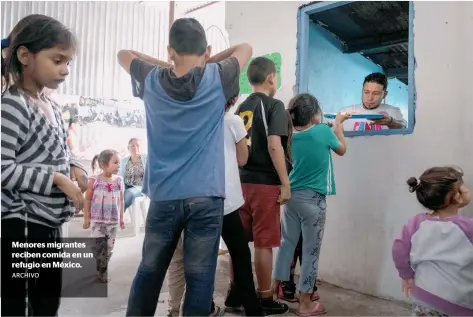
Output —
<point x="312" y="180"/>
<point x="233" y="234"/>
<point x="38" y="195"/>
<point x="186" y="180"/>
<point x="287" y="289"/>
<point x="264" y="178"/>
<point x="104" y="208"/>
<point x="94" y="165"/>
<point x="434" y="255"/>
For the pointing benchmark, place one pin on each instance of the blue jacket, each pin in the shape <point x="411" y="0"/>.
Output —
<point x="121" y="173"/>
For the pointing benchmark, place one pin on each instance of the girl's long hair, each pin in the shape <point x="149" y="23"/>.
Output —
<point x="300" y="111"/>
<point x="290" y="127"/>
<point x="35" y="32"/>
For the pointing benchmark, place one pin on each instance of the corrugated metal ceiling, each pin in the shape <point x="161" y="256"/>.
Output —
<point x="364" y="23"/>
<point x="102" y="28"/>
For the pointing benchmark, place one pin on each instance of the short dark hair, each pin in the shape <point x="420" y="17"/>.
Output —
<point x="259" y="69"/>
<point x="105" y="156"/>
<point x="187" y="37"/>
<point x="434" y="186"/>
<point x="378" y="78"/>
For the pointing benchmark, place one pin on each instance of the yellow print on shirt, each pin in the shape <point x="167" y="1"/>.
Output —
<point x="247" y="117"/>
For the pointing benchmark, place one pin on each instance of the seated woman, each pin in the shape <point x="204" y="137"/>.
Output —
<point x="132" y="171"/>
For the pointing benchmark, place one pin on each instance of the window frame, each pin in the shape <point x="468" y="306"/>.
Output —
<point x="302" y="63"/>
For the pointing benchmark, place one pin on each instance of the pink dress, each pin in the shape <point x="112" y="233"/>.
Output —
<point x="105" y="204"/>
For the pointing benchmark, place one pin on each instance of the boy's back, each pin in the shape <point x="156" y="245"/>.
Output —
<point x="185" y="173"/>
<point x="264" y="178"/>
<point x="185" y="128"/>
<point x="260" y="168"/>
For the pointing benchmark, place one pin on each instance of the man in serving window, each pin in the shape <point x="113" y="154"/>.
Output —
<point x="374" y="91"/>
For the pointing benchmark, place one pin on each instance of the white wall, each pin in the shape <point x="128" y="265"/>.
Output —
<point x="363" y="219"/>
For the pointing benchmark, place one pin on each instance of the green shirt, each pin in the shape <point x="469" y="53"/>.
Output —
<point x="312" y="159"/>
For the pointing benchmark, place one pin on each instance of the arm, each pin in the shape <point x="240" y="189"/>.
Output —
<point x="276" y="152"/>
<point x="401" y="254"/>
<point x="239" y="135"/>
<point x="396" y="120"/>
<point x="138" y="69"/>
<point x="340" y="147"/>
<point x="242" y="152"/>
<point x="79" y="174"/>
<point x="126" y="57"/>
<point x="278" y="128"/>
<point x="242" y="53"/>
<point x="88" y="198"/>
<point x="17" y="176"/>
<point x="393" y="119"/>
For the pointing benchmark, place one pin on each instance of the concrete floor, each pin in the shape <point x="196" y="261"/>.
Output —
<point x="127" y="254"/>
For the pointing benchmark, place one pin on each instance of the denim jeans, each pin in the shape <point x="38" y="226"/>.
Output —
<point x="305" y="213"/>
<point x="201" y="221"/>
<point x="131" y="193"/>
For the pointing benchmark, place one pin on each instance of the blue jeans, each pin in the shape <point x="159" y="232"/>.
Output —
<point x="304" y="212"/>
<point x="201" y="221"/>
<point x="131" y="193"/>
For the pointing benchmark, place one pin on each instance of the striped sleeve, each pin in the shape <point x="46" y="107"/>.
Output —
<point x="73" y="161"/>
<point x="16" y="176"/>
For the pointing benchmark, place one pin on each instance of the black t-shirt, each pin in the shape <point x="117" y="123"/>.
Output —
<point x="260" y="168"/>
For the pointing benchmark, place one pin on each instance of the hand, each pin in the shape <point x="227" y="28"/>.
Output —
<point x="407" y="286"/>
<point x="122" y="224"/>
<point x="330" y="124"/>
<point x="78" y="175"/>
<point x="341" y="117"/>
<point x="385" y="120"/>
<point x="86" y="223"/>
<point x="71" y="190"/>
<point x="285" y="194"/>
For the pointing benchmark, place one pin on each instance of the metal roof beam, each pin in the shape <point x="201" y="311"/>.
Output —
<point x="396" y="72"/>
<point x="371" y="45"/>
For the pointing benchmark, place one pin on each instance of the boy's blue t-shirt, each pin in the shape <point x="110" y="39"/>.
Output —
<point x="184" y="123"/>
<point x="312" y="159"/>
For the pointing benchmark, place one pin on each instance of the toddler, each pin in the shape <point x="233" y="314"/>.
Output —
<point x="104" y="207"/>
<point x="434" y="255"/>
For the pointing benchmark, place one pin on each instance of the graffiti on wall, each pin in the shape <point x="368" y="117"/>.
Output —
<point x="245" y="87"/>
<point x="95" y="124"/>
<point x="114" y="112"/>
